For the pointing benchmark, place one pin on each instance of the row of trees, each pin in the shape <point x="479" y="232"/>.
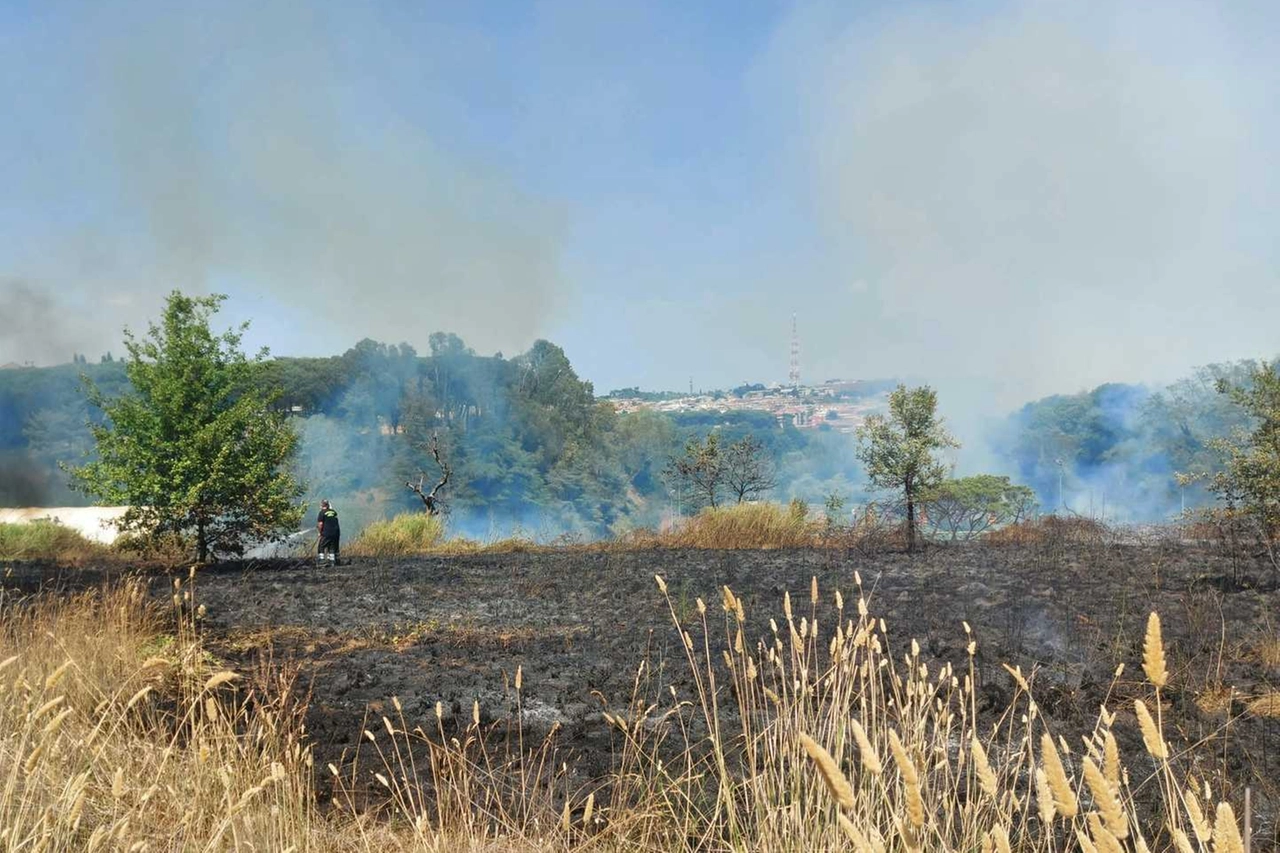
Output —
<point x="200" y="443"/>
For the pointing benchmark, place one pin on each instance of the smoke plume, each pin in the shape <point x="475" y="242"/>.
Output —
<point x="258" y="147"/>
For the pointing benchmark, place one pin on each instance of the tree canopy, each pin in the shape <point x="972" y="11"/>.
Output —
<point x="1248" y="485"/>
<point x="898" y="450"/>
<point x="195" y="447"/>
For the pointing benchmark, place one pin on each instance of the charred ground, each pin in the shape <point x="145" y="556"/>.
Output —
<point x="453" y="630"/>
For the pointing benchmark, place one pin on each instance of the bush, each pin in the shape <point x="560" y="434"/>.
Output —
<point x="45" y="539"/>
<point x="406" y="534"/>
<point x="1052" y="530"/>
<point x="759" y="525"/>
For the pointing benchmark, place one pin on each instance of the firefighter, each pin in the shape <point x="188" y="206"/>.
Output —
<point x="329" y="531"/>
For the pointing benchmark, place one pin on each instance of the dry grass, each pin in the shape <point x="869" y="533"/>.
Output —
<point x="743" y="526"/>
<point x="1268" y="652"/>
<point x="415" y="533"/>
<point x="115" y="736"/>
<point x="45" y="539"/>
<point x="1266" y="705"/>
<point x="405" y="535"/>
<point x="1050" y="529"/>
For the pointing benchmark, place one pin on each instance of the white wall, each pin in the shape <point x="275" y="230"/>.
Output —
<point x="93" y="522"/>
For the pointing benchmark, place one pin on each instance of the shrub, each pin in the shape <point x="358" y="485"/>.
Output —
<point x="1051" y="530"/>
<point x="406" y="534"/>
<point x="758" y="525"/>
<point x="45" y="539"/>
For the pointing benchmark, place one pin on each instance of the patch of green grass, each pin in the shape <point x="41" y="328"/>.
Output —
<point x="45" y="539"/>
<point x="407" y="534"/>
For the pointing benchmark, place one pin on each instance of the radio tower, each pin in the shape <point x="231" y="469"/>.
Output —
<point x="794" y="376"/>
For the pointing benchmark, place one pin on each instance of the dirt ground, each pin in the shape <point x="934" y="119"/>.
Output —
<point x="454" y="630"/>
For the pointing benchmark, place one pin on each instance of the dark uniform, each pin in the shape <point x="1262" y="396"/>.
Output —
<point x="330" y="532"/>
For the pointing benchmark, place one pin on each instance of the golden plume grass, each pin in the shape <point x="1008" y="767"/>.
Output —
<point x="1226" y="834"/>
<point x="866" y="750"/>
<point x="839" y="787"/>
<point x="986" y="776"/>
<point x="1151" y="736"/>
<point x="1106" y="800"/>
<point x="1153" y="663"/>
<point x="1064" y="798"/>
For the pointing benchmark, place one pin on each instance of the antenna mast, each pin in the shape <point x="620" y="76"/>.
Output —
<point x="794" y="376"/>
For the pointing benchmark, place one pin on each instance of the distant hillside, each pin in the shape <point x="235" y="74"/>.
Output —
<point x="531" y="445"/>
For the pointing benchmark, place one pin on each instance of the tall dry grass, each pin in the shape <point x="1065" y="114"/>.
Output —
<point x="116" y="736"/>
<point x="738" y="527"/>
<point x="118" y="731"/>
<point x="826" y="740"/>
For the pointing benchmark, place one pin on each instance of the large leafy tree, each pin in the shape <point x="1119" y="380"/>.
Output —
<point x="1249" y="483"/>
<point x="898" y="450"/>
<point x="195" y="447"/>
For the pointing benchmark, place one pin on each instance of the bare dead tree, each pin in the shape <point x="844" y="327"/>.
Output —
<point x="748" y="469"/>
<point x="431" y="499"/>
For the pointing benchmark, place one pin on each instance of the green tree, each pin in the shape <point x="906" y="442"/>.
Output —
<point x="967" y="507"/>
<point x="1248" y="485"/>
<point x="898" y="450"/>
<point x="196" y="447"/>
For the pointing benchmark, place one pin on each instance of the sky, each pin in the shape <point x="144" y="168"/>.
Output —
<point x="1020" y="197"/>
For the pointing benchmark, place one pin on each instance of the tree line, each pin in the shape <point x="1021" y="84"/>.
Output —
<point x="202" y="440"/>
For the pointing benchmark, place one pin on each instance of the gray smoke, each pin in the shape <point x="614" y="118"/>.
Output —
<point x="243" y="146"/>
<point x="1055" y="193"/>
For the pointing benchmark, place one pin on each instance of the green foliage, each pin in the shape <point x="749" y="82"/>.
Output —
<point x="407" y="534"/>
<point x="1249" y="483"/>
<point x="44" y="539"/>
<point x="195" y="446"/>
<point x="898" y="450"/>
<point x="1125" y="444"/>
<point x="833" y="508"/>
<point x="530" y="445"/>
<point x="965" y="508"/>
<point x="699" y="472"/>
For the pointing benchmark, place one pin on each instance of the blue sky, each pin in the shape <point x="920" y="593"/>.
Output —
<point x="1051" y="194"/>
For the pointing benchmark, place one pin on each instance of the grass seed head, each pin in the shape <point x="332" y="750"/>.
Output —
<point x="986" y="776"/>
<point x="867" y="751"/>
<point x="1105" y="800"/>
<point x="220" y="678"/>
<point x="906" y="766"/>
<point x="1151" y="736"/>
<point x="1111" y="759"/>
<point x="837" y="784"/>
<point x="1064" y="798"/>
<point x="1153" y="662"/>
<point x="1226" y="834"/>
<point x="1044" y="798"/>
<point x="861" y="844"/>
<point x="54" y="677"/>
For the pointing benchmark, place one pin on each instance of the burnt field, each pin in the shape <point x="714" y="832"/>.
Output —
<point x="454" y="630"/>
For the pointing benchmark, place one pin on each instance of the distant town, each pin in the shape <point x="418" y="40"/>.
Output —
<point x="837" y="404"/>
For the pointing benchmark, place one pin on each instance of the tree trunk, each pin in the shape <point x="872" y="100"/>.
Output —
<point x="911" y="517"/>
<point x="202" y="542"/>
